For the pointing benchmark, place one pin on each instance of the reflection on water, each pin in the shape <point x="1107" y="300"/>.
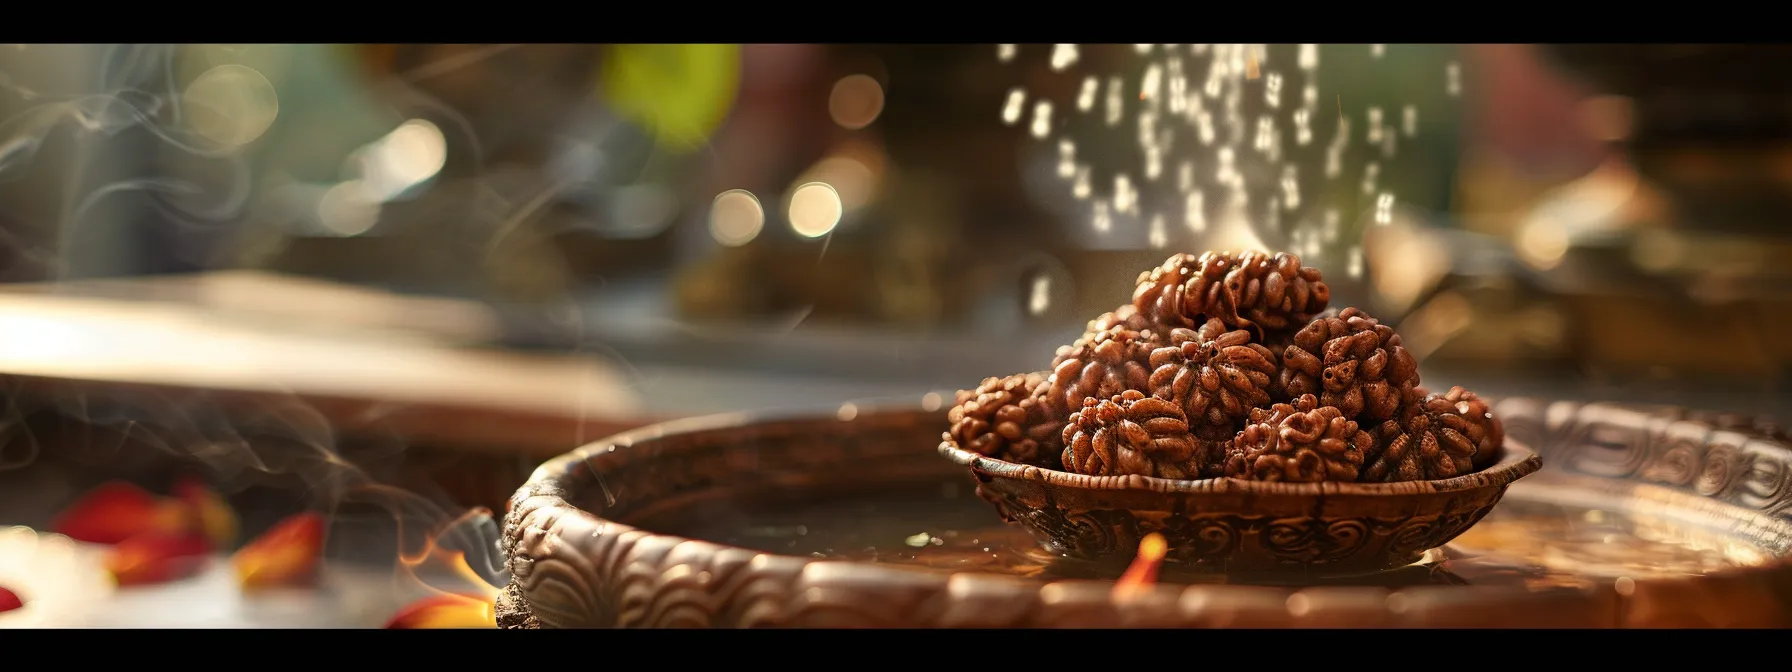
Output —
<point x="945" y="527"/>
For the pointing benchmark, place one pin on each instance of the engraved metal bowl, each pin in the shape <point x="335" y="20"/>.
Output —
<point x="1240" y="526"/>
<point x="584" y="551"/>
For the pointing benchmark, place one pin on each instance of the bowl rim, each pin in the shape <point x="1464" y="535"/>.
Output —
<point x="541" y="508"/>
<point x="1516" y="461"/>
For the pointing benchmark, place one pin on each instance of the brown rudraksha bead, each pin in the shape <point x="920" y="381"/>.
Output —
<point x="1187" y="290"/>
<point x="1102" y="365"/>
<point x="1436" y="437"/>
<point x="1009" y="419"/>
<point x="1301" y="442"/>
<point x="1351" y="361"/>
<point x="1215" y="375"/>
<point x="1275" y="292"/>
<point x="1127" y="317"/>
<point x="1131" y="433"/>
<point x="1254" y="289"/>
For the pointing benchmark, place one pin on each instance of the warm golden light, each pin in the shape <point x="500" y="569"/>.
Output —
<point x="408" y="156"/>
<point x="736" y="218"/>
<point x="230" y="106"/>
<point x="815" y="209"/>
<point x="856" y="101"/>
<point x="347" y="209"/>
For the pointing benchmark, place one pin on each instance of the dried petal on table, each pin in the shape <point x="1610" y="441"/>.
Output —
<point x="157" y="558"/>
<point x="209" y="510"/>
<point x="286" y="555"/>
<point x="116" y="511"/>
<point x="9" y="601"/>
<point x="446" y="612"/>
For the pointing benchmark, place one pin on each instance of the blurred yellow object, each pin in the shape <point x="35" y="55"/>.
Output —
<point x="679" y="93"/>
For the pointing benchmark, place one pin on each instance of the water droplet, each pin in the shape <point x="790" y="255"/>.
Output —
<point x="1384" y="209"/>
<point x="1331" y="225"/>
<point x="1309" y="96"/>
<point x="1042" y="119"/>
<point x="1114" y="102"/>
<point x="1309" y="56"/>
<point x="1102" y="219"/>
<point x="1148" y="87"/>
<point x="1409" y="121"/>
<point x="1371" y="173"/>
<point x="1453" y="78"/>
<point x="1159" y="237"/>
<point x="1272" y="90"/>
<point x="1039" y="295"/>
<point x="1085" y="99"/>
<point x="1374" y="125"/>
<point x="1080" y="187"/>
<point x="1063" y="56"/>
<point x="1126" y="198"/>
<point x="1194" y="212"/>
<point x="1290" y="187"/>
<point x="1011" y="106"/>
<point x="1185" y="176"/>
<point x="1006" y="52"/>
<point x="1303" y="127"/>
<point x="1066" y="159"/>
<point x="1154" y="163"/>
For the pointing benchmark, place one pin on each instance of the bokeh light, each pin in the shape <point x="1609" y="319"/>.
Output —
<point x="230" y="106"/>
<point x="407" y="157"/>
<point x="856" y="101"/>
<point x="736" y="217"/>
<point x="347" y="209"/>
<point x="815" y="209"/>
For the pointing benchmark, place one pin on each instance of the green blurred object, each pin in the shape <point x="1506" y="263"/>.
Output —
<point x="679" y="93"/>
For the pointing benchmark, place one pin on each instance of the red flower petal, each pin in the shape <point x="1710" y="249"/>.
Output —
<point x="9" y="600"/>
<point x="117" y="511"/>
<point x="285" y="555"/>
<point x="446" y="611"/>
<point x="157" y="558"/>
<point x="210" y="511"/>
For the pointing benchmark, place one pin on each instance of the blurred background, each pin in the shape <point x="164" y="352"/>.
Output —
<point x="443" y="263"/>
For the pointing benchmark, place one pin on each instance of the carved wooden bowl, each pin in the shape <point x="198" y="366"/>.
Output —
<point x="1240" y="526"/>
<point x="586" y="548"/>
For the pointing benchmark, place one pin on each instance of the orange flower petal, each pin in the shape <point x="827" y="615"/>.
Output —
<point x="210" y="511"/>
<point x="285" y="555"/>
<point x="117" y="511"/>
<point x="157" y="558"/>
<point x="445" y="612"/>
<point x="9" y="600"/>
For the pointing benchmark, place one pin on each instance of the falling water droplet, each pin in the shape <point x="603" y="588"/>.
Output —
<point x="1012" y="105"/>
<point x="1154" y="163"/>
<point x="1303" y="127"/>
<point x="1384" y="209"/>
<point x="1453" y="78"/>
<point x="1114" y="102"/>
<point x="1066" y="158"/>
<point x="1309" y="96"/>
<point x="1194" y="212"/>
<point x="1126" y="198"/>
<point x="1309" y="56"/>
<point x="1103" y="220"/>
<point x="1039" y="299"/>
<point x="1042" y="118"/>
<point x="1353" y="259"/>
<point x="1148" y="87"/>
<point x="1374" y="131"/>
<point x="1409" y="121"/>
<point x="1159" y="237"/>
<point x="1371" y="172"/>
<point x="1063" y="56"/>
<point x="1272" y="90"/>
<point x="1080" y="188"/>
<point x="1006" y="52"/>
<point x="1290" y="187"/>
<point x="1085" y="99"/>
<point x="1185" y="176"/>
<point x="1332" y="223"/>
